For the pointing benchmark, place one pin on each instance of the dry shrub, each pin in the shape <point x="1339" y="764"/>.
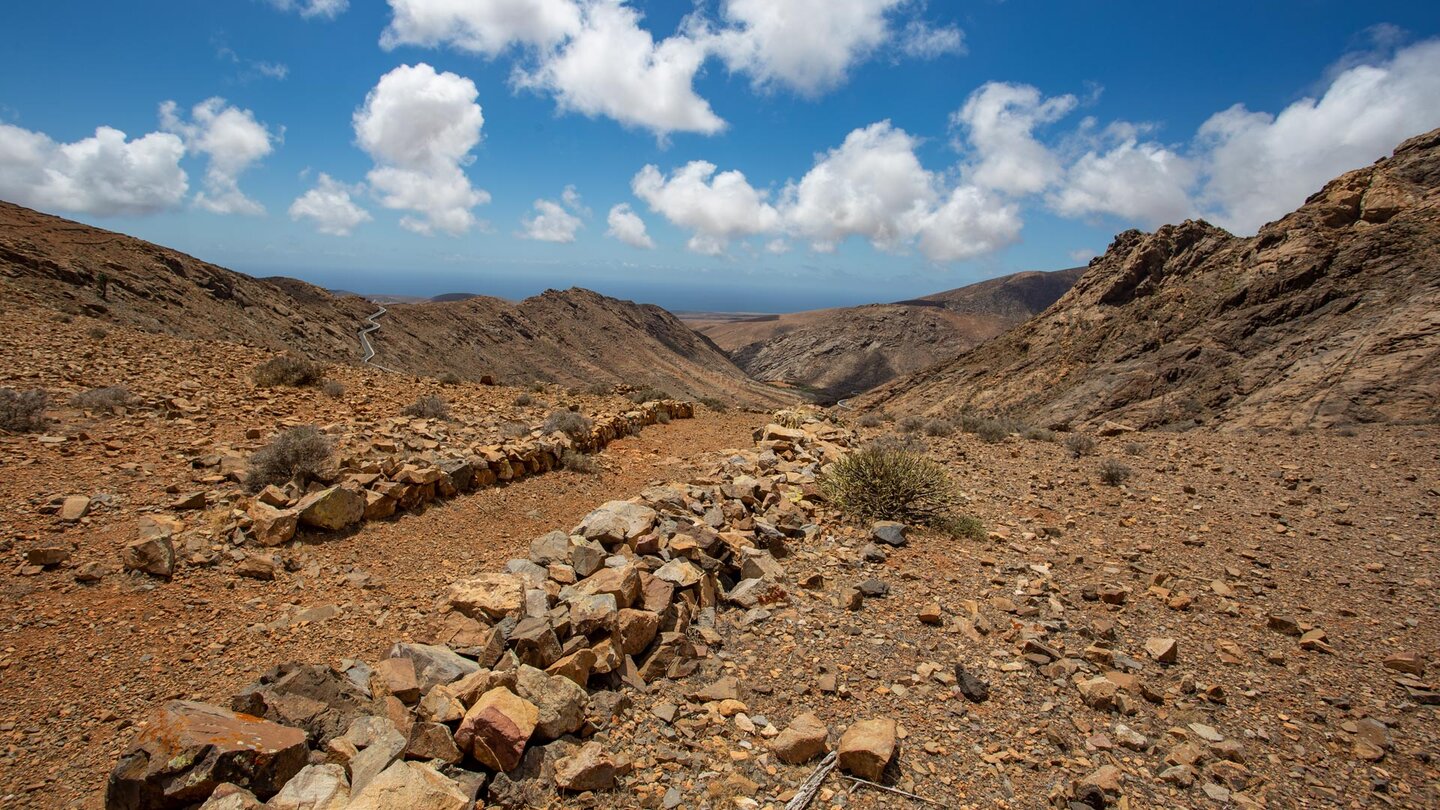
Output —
<point x="881" y="482"/>
<point x="1134" y="448"/>
<point x="714" y="404"/>
<point x="570" y="423"/>
<point x="523" y="400"/>
<point x="299" y="454"/>
<point x="1080" y="444"/>
<point x="287" y="370"/>
<point x="992" y="431"/>
<point x="647" y="394"/>
<point x="575" y="461"/>
<point x="431" y="407"/>
<point x="109" y="398"/>
<point x="514" y="430"/>
<point x="1038" y="434"/>
<point x="449" y="378"/>
<point x="938" y="427"/>
<point x="663" y="417"/>
<point x="22" y="411"/>
<point x="1114" y="472"/>
<point x="871" y="420"/>
<point x="910" y="424"/>
<point x="333" y="389"/>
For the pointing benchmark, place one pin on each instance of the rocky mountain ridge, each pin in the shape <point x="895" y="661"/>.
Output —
<point x="1329" y="315"/>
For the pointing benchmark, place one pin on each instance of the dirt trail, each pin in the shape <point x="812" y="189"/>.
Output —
<point x="82" y="664"/>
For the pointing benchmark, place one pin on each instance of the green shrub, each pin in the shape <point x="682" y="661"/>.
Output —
<point x="431" y="407"/>
<point x="287" y="370"/>
<point x="570" y="423"/>
<point x="1114" y="472"/>
<point x="110" y="398"/>
<point x="299" y="454"/>
<point x="1079" y="445"/>
<point x="888" y="483"/>
<point x="22" y="411"/>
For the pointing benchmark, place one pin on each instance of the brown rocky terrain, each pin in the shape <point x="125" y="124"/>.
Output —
<point x="574" y="337"/>
<point x="841" y="352"/>
<point x="1328" y="315"/>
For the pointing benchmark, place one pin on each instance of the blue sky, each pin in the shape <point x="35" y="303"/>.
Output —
<point x="889" y="148"/>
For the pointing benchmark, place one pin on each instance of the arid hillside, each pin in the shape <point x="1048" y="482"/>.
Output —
<point x="575" y="337"/>
<point x="1328" y="315"/>
<point x="844" y="351"/>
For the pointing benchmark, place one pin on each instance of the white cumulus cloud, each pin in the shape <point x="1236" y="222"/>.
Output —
<point x="1138" y="181"/>
<point x="628" y="227"/>
<point x="105" y="175"/>
<point x="1262" y="166"/>
<point x="329" y="9"/>
<point x="232" y="141"/>
<point x="481" y="26"/>
<point x="556" y="222"/>
<point x="999" y="120"/>
<point x="329" y="207"/>
<point x="805" y="45"/>
<point x="715" y="207"/>
<point x="615" y="68"/>
<point x="924" y="41"/>
<point x="419" y="127"/>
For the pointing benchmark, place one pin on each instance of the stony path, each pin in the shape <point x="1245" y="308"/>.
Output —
<point x="83" y="663"/>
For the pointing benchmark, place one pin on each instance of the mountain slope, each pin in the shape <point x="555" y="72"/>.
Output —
<point x="575" y="337"/>
<point x="847" y="350"/>
<point x="1329" y="315"/>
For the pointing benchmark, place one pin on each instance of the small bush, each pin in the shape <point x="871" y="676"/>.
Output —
<point x="570" y="423"/>
<point x="938" y="427"/>
<point x="514" y="430"/>
<point x="449" y="378"/>
<point x="1037" y="434"/>
<point x="287" y="370"/>
<point x="714" y="404"/>
<point x="992" y="431"/>
<point x="101" y="399"/>
<point x="663" y="417"/>
<point x="647" y="394"/>
<point x="1134" y="448"/>
<point x="1114" y="472"/>
<point x="299" y="454"/>
<point x="22" y="411"/>
<point x="907" y="442"/>
<point x="537" y="388"/>
<point x="523" y="400"/>
<point x="910" y="424"/>
<point x="431" y="407"/>
<point x="1079" y="445"/>
<point x="870" y="420"/>
<point x="97" y="333"/>
<point x="887" y="483"/>
<point x="578" y="462"/>
<point x="333" y="389"/>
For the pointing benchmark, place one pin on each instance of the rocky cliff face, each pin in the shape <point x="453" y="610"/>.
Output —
<point x="1329" y="315"/>
<point x="575" y="337"/>
<point x="841" y="352"/>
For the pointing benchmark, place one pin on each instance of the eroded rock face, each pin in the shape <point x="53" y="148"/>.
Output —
<point x="188" y="749"/>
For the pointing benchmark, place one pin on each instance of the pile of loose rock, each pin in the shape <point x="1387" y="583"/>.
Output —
<point x="368" y="487"/>
<point x="510" y="701"/>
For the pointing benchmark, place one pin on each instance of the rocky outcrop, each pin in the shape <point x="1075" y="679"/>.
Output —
<point x="1329" y="315"/>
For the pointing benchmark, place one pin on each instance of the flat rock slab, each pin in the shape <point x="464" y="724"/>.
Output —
<point x="188" y="749"/>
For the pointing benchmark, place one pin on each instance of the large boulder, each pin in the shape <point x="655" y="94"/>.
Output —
<point x="434" y="664"/>
<point x="560" y="702"/>
<point x="497" y="727"/>
<point x="188" y="749"/>
<point x="412" y="786"/>
<point x="332" y="509"/>
<point x="154" y="552"/>
<point x="488" y="596"/>
<point x="316" y="787"/>
<point x="616" y="522"/>
<point x="321" y="700"/>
